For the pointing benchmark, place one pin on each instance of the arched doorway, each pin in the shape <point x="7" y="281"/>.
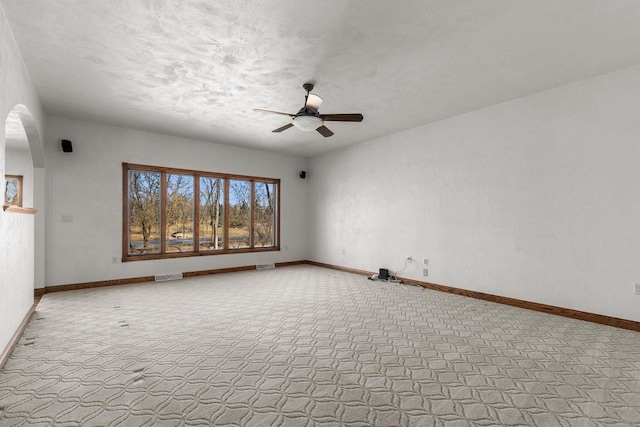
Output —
<point x="22" y="137"/>
<point x="18" y="165"/>
<point x="22" y="243"/>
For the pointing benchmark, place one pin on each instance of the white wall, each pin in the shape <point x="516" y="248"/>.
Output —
<point x="537" y="199"/>
<point x="39" y="202"/>
<point x="87" y="184"/>
<point x="16" y="230"/>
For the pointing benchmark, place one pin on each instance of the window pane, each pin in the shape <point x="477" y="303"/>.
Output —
<point x="180" y="210"/>
<point x="239" y="213"/>
<point x="144" y="212"/>
<point x="264" y="218"/>
<point x="211" y="213"/>
<point x="13" y="190"/>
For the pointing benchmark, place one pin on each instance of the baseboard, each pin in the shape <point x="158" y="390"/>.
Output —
<point x="535" y="306"/>
<point x="143" y="279"/>
<point x="99" y="284"/>
<point x="235" y="269"/>
<point x="340" y="268"/>
<point x="16" y="336"/>
<point x="290" y="263"/>
<point x="545" y="308"/>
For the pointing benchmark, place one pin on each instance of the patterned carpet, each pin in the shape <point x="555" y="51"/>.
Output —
<point x="306" y="346"/>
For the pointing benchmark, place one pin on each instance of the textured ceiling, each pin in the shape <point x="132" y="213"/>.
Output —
<point x="198" y="68"/>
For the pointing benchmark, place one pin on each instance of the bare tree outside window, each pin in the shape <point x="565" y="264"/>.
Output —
<point x="180" y="213"/>
<point x="264" y="218"/>
<point x="211" y="213"/>
<point x="144" y="212"/>
<point x="239" y="213"/>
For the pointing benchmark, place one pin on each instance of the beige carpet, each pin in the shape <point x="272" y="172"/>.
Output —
<point x="306" y="346"/>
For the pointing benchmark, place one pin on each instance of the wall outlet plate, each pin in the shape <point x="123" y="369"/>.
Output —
<point x="425" y="272"/>
<point x="636" y="288"/>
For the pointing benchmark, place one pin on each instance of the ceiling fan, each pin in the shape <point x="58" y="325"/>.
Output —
<point x="308" y="118"/>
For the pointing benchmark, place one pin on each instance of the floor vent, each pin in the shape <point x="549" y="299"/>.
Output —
<point x="167" y="277"/>
<point x="265" y="266"/>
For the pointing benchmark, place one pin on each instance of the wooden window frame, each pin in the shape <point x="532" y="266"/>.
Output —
<point x="20" y="189"/>
<point x="225" y="250"/>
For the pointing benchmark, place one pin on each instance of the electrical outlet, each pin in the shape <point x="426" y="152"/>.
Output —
<point x="115" y="260"/>
<point x="67" y="219"/>
<point x="426" y="261"/>
<point x="409" y="259"/>
<point x="343" y="251"/>
<point x="286" y="248"/>
<point x="425" y="271"/>
<point x="636" y="288"/>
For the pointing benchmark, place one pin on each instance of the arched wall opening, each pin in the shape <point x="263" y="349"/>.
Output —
<point x="18" y="163"/>
<point x="18" y="223"/>
<point x="25" y="150"/>
<point x="22" y="227"/>
<point x="37" y="196"/>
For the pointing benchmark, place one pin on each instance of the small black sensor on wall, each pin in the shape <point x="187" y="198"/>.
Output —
<point x="303" y="174"/>
<point x="66" y="146"/>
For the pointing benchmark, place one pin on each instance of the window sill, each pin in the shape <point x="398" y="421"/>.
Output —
<point x="19" y="209"/>
<point x="146" y="257"/>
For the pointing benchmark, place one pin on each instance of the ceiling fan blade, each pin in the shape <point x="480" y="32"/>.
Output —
<point x="285" y="127"/>
<point x="342" y="117"/>
<point x="324" y="131"/>
<point x="273" y="111"/>
<point x="313" y="102"/>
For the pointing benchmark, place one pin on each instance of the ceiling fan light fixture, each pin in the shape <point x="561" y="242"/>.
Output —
<point x="307" y="123"/>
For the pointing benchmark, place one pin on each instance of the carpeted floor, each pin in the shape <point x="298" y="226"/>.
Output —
<point x="306" y="346"/>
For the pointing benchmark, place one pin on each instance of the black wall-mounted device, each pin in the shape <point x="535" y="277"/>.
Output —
<point x="66" y="146"/>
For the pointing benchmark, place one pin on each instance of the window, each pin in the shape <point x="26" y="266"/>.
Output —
<point x="180" y="212"/>
<point x="13" y="190"/>
<point x="211" y="233"/>
<point x="264" y="218"/>
<point x="170" y="213"/>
